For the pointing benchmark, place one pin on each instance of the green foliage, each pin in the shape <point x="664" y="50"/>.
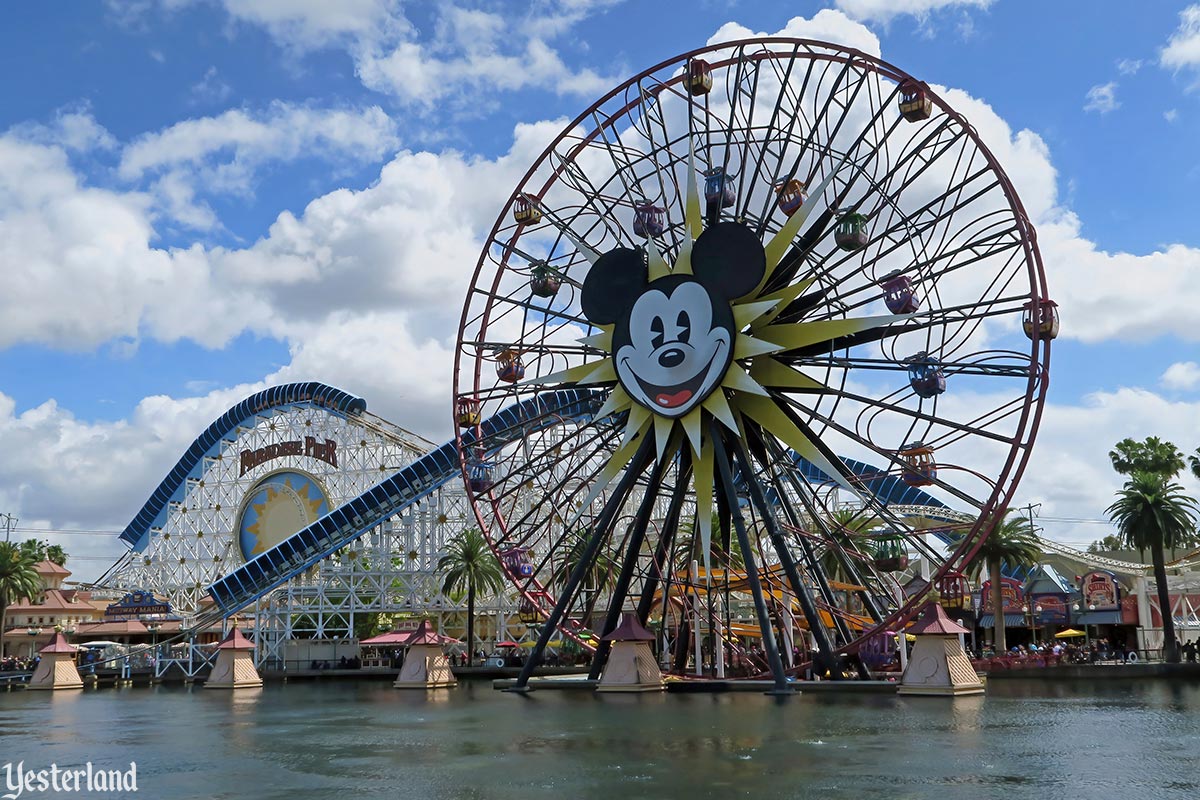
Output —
<point x="1012" y="542"/>
<point x="1151" y="513"/>
<point x="1151" y="455"/>
<point x="690" y="547"/>
<point x="601" y="575"/>
<point x="40" y="550"/>
<point x="1106" y="545"/>
<point x="469" y="564"/>
<point x="18" y="579"/>
<point x="851" y="528"/>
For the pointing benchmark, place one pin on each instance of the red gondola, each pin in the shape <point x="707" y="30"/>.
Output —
<point x="915" y="104"/>
<point x="544" y="280"/>
<point x="898" y="293"/>
<point x="648" y="220"/>
<point x="699" y="77"/>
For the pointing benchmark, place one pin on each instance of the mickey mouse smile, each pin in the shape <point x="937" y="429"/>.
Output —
<point x="674" y="397"/>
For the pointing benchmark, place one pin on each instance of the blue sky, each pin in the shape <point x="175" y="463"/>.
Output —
<point x="173" y="172"/>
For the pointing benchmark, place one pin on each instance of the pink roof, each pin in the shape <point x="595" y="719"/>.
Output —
<point x="424" y="634"/>
<point x="50" y="568"/>
<point x="235" y="641"/>
<point x="391" y="637"/>
<point x="630" y="630"/>
<point x="55" y="601"/>
<point x="58" y="645"/>
<point x="932" y="619"/>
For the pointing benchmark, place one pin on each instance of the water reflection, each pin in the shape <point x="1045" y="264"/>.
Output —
<point x="1023" y="740"/>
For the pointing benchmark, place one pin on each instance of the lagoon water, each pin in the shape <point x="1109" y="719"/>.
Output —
<point x="363" y="739"/>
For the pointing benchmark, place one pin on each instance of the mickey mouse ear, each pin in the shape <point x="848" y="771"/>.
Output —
<point x="729" y="259"/>
<point x="613" y="284"/>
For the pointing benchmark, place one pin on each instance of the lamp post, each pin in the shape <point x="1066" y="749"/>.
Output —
<point x="34" y="631"/>
<point x="1031" y="614"/>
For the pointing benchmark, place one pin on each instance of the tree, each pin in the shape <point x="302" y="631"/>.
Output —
<point x="601" y="575"/>
<point x="1013" y="542"/>
<point x="40" y="550"/>
<point x="688" y="544"/>
<point x="1151" y="455"/>
<point x="1194" y="462"/>
<point x="1153" y="514"/>
<point x="18" y="579"/>
<point x="851" y="528"/>
<point x="1106" y="545"/>
<point x="470" y="565"/>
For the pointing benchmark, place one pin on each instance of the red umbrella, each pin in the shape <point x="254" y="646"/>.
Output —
<point x="508" y="644"/>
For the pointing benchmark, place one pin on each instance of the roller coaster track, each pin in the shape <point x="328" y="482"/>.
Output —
<point x="266" y="571"/>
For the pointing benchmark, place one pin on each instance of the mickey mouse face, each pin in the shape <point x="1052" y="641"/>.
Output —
<point x="673" y="337"/>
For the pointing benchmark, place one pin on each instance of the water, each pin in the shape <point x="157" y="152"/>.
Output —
<point x="363" y="739"/>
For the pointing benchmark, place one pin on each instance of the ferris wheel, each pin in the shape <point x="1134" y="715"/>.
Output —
<point x="782" y="283"/>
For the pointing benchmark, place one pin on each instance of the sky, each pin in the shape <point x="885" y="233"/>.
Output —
<point x="202" y="198"/>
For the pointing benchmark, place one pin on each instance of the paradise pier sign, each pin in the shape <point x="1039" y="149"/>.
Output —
<point x="322" y="451"/>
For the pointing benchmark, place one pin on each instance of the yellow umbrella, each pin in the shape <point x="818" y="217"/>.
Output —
<point x="1069" y="633"/>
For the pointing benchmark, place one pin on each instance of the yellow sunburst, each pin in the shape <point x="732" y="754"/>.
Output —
<point x="747" y="389"/>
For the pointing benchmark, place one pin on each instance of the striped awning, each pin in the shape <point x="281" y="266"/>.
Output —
<point x="1010" y="621"/>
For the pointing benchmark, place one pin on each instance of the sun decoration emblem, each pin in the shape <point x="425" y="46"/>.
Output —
<point x="277" y="507"/>
<point x="692" y="343"/>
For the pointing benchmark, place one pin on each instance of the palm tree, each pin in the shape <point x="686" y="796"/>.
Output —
<point x="1152" y="513"/>
<point x="470" y="565"/>
<point x="851" y="528"/>
<point x="601" y="575"/>
<point x="1194" y="462"/>
<point x="18" y="579"/>
<point x="1011" y="542"/>
<point x="690" y="546"/>
<point x="1152" y="455"/>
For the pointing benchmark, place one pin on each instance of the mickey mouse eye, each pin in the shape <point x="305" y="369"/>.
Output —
<point x="684" y="323"/>
<point x="658" y="328"/>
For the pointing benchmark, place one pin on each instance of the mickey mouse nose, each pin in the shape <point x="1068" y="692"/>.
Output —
<point x="671" y="358"/>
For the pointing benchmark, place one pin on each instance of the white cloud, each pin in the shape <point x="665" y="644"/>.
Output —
<point x="307" y="24"/>
<point x="239" y="139"/>
<point x="1182" y="375"/>
<point x="223" y="154"/>
<point x="1183" y="48"/>
<point x="211" y="89"/>
<point x="885" y="10"/>
<point x="1102" y="98"/>
<point x="1128" y="66"/>
<point x="1171" y="114"/>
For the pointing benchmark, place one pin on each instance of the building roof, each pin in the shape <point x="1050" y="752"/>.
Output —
<point x="53" y="600"/>
<point x="50" y="568"/>
<point x="58" y="645"/>
<point x="630" y="630"/>
<point x="234" y="640"/>
<point x="932" y="619"/>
